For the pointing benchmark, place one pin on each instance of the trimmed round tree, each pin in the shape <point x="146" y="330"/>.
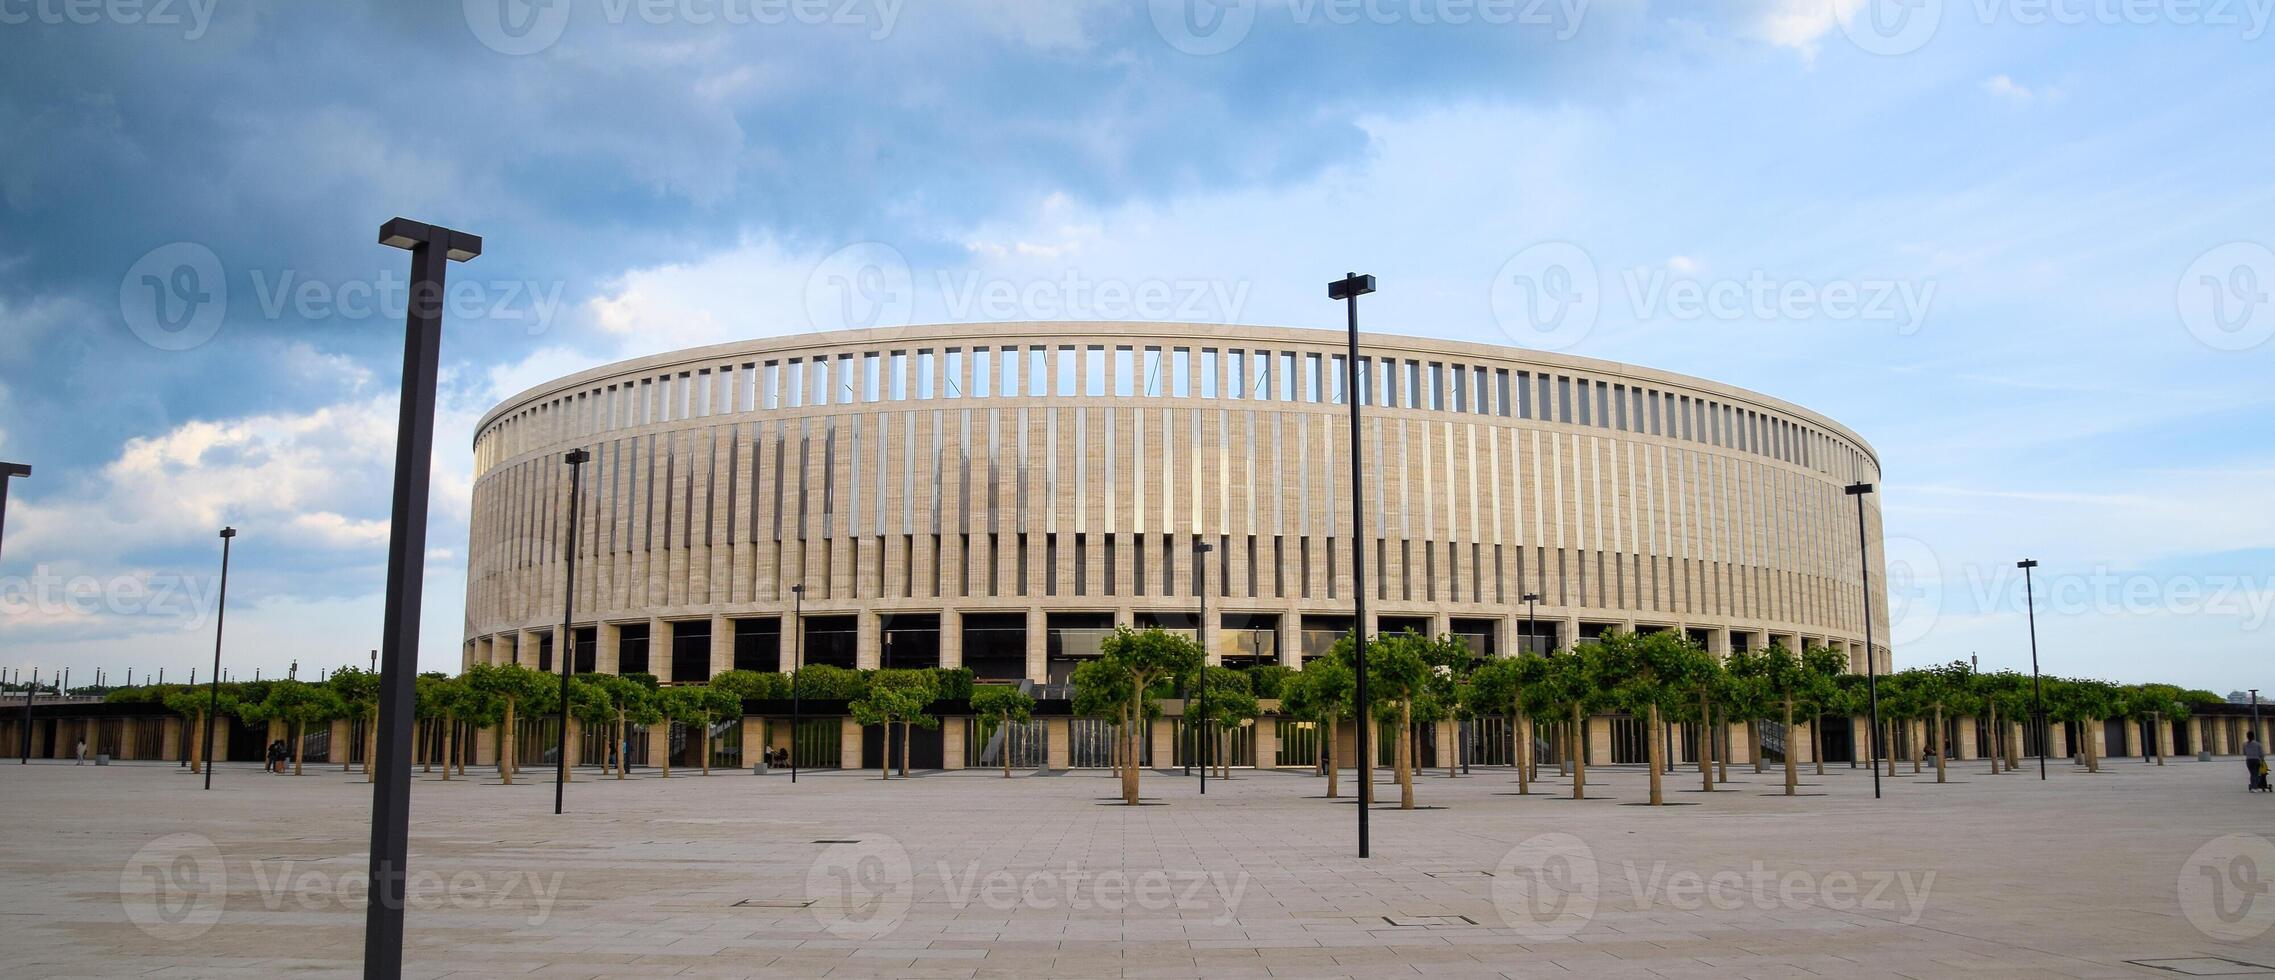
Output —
<point x="1005" y="706"/>
<point x="1142" y="659"/>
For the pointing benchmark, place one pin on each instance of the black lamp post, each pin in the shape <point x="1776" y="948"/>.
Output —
<point x="577" y="458"/>
<point x="1532" y="629"/>
<point x="1871" y="663"/>
<point x="26" y="743"/>
<point x="2037" y="696"/>
<point x="1201" y="551"/>
<point x="797" y="660"/>
<point x="213" y="683"/>
<point x="432" y="250"/>
<point x="1349" y="289"/>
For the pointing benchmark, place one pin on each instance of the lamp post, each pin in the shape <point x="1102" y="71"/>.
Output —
<point x="1531" y="601"/>
<point x="26" y="742"/>
<point x="797" y="660"/>
<point x="1349" y="289"/>
<point x="1871" y="662"/>
<point x="1201" y="551"/>
<point x="432" y="250"/>
<point x="577" y="458"/>
<point x="213" y="683"/>
<point x="2254" y="711"/>
<point x="2037" y="694"/>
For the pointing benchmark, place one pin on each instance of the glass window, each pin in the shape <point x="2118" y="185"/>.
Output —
<point x="1603" y="405"/>
<point x="1181" y="373"/>
<point x="953" y="385"/>
<point x="1262" y="366"/>
<point x="1094" y="371"/>
<point x="770" y="385"/>
<point x="1287" y="376"/>
<point x="1236" y="373"/>
<point x="1501" y="392"/>
<point x="1125" y="372"/>
<point x="983" y="382"/>
<point x="1311" y="378"/>
<point x="1460" y="389"/>
<point x="1208" y="372"/>
<point x="1563" y="399"/>
<point x="924" y="380"/>
<point x="899" y="371"/>
<point x="1066" y="383"/>
<point x="1152" y="372"/>
<point x="1413" y="392"/>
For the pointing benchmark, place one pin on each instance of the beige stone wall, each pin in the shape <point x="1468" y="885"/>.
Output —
<point x="718" y="481"/>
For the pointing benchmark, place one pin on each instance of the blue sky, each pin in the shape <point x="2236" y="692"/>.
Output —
<point x="2022" y="249"/>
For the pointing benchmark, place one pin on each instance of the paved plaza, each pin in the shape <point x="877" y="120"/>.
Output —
<point x="130" y="869"/>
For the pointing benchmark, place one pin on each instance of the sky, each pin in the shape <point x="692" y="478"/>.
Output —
<point x="2020" y="246"/>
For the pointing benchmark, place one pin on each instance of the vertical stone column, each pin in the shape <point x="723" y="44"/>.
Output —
<point x="2196" y="734"/>
<point x="1161" y="740"/>
<point x="951" y="639"/>
<point x="1290" y="639"/>
<point x="868" y="640"/>
<point x="754" y="741"/>
<point x="659" y="650"/>
<point x="1038" y="666"/>
<point x="606" y="646"/>
<point x="659" y="743"/>
<point x="2057" y="740"/>
<point x="722" y="645"/>
<point x="1267" y="741"/>
<point x="953" y="732"/>
<point x="849" y="743"/>
<point x="1599" y="740"/>
<point x="1966" y="748"/>
<point x="1058" y="732"/>
<point x="1568" y="635"/>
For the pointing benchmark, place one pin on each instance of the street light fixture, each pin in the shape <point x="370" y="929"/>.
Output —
<point x="213" y="683"/>
<point x="577" y="458"/>
<point x="797" y="660"/>
<point x="1349" y="289"/>
<point x="1532" y="629"/>
<point x="1871" y="662"/>
<point x="1201" y="551"/>
<point x="432" y="249"/>
<point x="9" y="471"/>
<point x="2037" y="697"/>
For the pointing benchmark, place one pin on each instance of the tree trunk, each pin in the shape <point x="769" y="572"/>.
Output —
<point x="1817" y="744"/>
<point x="449" y="746"/>
<point x="667" y="746"/>
<point x="1523" y="756"/>
<point x="1578" y="755"/>
<point x="1327" y="753"/>
<point x="2156" y="736"/>
<point x="1453" y="738"/>
<point x="2092" y="753"/>
<point x="1651" y="754"/>
<point x="620" y="745"/>
<point x="1754" y="745"/>
<point x="1888" y="743"/>
<point x="299" y="735"/>
<point x="419" y="743"/>
<point x="370" y="742"/>
<point x="908" y="734"/>
<point x="1706" y="751"/>
<point x="1919" y="746"/>
<point x="1405" y="758"/>
<point x="706" y="745"/>
<point x="197" y="743"/>
<point x="1129" y="772"/>
<point x="505" y="745"/>
<point x="1940" y="749"/>
<point x="1003" y="724"/>
<point x="1997" y="738"/>
<point x="1721" y="751"/>
<point x="1792" y="771"/>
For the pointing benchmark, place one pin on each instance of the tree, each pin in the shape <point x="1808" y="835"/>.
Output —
<point x="192" y="703"/>
<point x="1231" y="704"/>
<point x="589" y="707"/>
<point x="632" y="703"/>
<point x="1322" y="693"/>
<point x="1945" y="690"/>
<point x="1786" y="680"/>
<point x="1400" y="673"/>
<point x="1142" y="659"/>
<point x="2000" y="693"/>
<point x="512" y="687"/>
<point x="298" y="705"/>
<point x="2082" y="702"/>
<point x="1652" y="672"/>
<point x="1504" y="682"/>
<point x="427" y="707"/>
<point x="2150" y="705"/>
<point x="358" y="691"/>
<point x="690" y="705"/>
<point x="897" y="697"/>
<point x="1574" y="681"/>
<point x="1003" y="705"/>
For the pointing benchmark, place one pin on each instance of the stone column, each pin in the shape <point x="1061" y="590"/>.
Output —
<point x="1289" y="636"/>
<point x="1966" y="749"/>
<point x="1038" y="669"/>
<point x="868" y="640"/>
<point x="1161" y="734"/>
<point x="659" y="743"/>
<point x="1267" y="741"/>
<point x="849" y="743"/>
<point x="2057" y="740"/>
<point x="605" y="644"/>
<point x="951" y="641"/>
<point x="1599" y="740"/>
<point x="722" y="645"/>
<point x="659" y="652"/>
<point x="754" y="740"/>
<point x="2196" y="734"/>
<point x="953" y="731"/>
<point x="1058" y="732"/>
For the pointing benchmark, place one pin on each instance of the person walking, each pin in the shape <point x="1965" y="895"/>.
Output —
<point x="80" y="753"/>
<point x="2255" y="758"/>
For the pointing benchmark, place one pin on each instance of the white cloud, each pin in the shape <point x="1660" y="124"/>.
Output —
<point x="1801" y="24"/>
<point x="2016" y="93"/>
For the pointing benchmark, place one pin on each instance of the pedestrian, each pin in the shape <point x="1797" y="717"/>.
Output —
<point x="81" y="752"/>
<point x="2255" y="759"/>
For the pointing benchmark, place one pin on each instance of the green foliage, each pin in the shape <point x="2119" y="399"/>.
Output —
<point x="1269" y="680"/>
<point x="752" y="685"/>
<point x="1662" y="668"/>
<point x="952" y="683"/>
<point x="191" y="702"/>
<point x="1322" y="691"/>
<point x="145" y="694"/>
<point x="298" y="704"/>
<point x="1399" y="672"/>
<point x="644" y="679"/>
<point x="356" y="688"/>
<point x="588" y="701"/>
<point x="627" y="697"/>
<point x="1231" y="700"/>
<point x="823" y="682"/>
<point x="2077" y="700"/>
<point x="898" y="697"/>
<point x="1002" y="702"/>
